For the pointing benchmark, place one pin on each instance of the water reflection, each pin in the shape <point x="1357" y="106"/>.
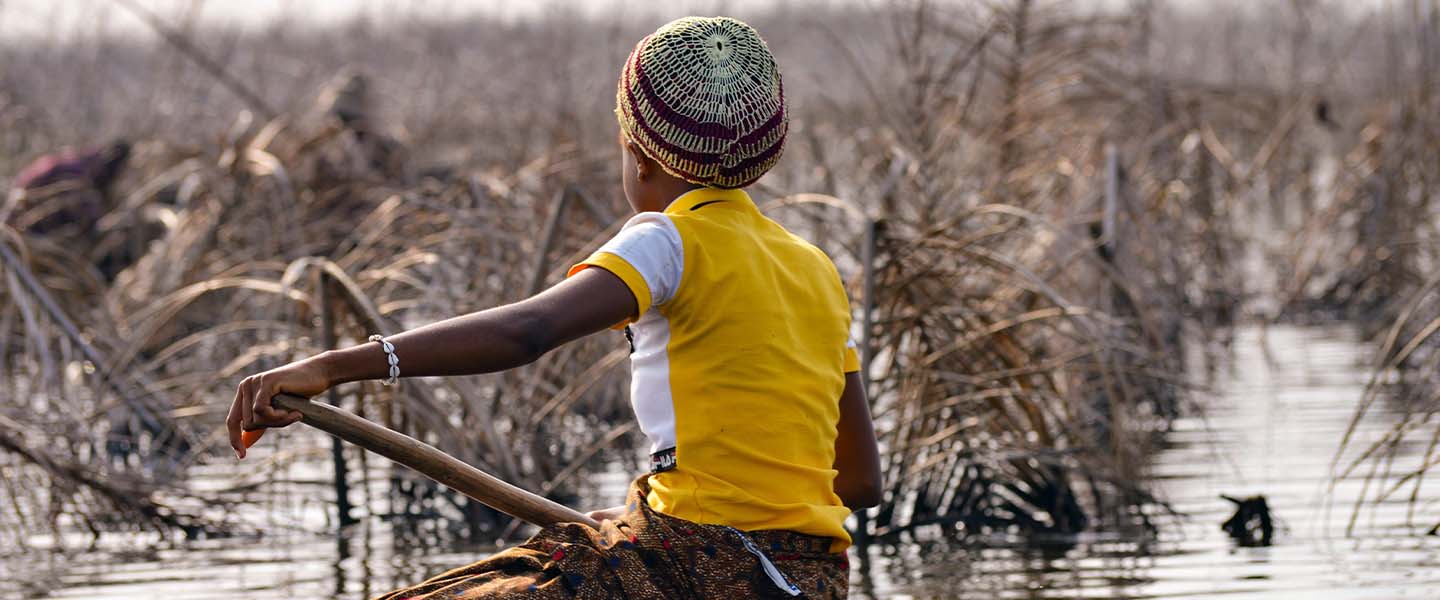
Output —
<point x="1280" y="405"/>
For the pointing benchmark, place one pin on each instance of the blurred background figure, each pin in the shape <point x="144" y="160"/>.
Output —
<point x="65" y="193"/>
<point x="347" y="99"/>
<point x="348" y="106"/>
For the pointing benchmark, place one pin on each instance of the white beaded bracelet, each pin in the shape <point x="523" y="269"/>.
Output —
<point x="389" y="356"/>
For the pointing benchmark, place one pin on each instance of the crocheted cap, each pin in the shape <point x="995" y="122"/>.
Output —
<point x="702" y="96"/>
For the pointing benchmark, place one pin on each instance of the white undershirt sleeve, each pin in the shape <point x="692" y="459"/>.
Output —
<point x="651" y="244"/>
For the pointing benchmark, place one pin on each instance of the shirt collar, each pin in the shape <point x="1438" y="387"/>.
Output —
<point x="687" y="201"/>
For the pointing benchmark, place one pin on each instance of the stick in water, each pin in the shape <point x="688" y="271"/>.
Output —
<point x="428" y="461"/>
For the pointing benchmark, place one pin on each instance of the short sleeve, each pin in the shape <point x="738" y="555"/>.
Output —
<point x="852" y="358"/>
<point x="647" y="255"/>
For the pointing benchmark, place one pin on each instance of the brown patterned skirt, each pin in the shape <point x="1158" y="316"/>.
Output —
<point x="647" y="555"/>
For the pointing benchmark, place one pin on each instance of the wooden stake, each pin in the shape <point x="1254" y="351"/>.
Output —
<point x="337" y="451"/>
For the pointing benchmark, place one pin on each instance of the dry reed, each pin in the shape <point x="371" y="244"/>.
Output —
<point x="1039" y="209"/>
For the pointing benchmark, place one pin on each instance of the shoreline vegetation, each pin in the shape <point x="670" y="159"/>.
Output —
<point x="1039" y="212"/>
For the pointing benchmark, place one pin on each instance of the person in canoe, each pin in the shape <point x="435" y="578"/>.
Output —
<point x="743" y="376"/>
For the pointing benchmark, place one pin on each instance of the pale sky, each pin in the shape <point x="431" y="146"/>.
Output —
<point x="60" y="20"/>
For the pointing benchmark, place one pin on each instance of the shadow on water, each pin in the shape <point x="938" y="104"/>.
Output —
<point x="1280" y="404"/>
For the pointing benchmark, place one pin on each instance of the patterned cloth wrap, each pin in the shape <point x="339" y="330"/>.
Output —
<point x="644" y="555"/>
<point x="702" y="96"/>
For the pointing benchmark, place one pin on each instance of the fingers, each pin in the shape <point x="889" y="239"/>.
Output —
<point x="266" y="415"/>
<point x="247" y="414"/>
<point x="251" y="412"/>
<point x="292" y="417"/>
<point x="232" y="424"/>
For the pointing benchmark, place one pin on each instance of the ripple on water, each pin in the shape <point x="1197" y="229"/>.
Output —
<point x="1271" y="427"/>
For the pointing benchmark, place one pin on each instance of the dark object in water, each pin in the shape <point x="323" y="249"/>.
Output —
<point x="1251" y="524"/>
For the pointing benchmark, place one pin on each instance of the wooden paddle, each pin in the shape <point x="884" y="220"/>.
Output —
<point x="430" y="462"/>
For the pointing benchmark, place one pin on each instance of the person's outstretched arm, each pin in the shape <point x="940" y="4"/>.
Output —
<point x="482" y="342"/>
<point x="857" y="456"/>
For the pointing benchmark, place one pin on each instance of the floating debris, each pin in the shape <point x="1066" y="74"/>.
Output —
<point x="1251" y="525"/>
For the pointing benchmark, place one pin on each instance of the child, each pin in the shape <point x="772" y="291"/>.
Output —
<point x="742" y="377"/>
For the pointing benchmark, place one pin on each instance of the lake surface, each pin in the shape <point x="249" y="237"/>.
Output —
<point x="1278" y="408"/>
<point x="1280" y="405"/>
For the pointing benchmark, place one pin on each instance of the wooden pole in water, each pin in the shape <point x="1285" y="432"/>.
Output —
<point x="432" y="463"/>
<point x="337" y="451"/>
<point x="1112" y="294"/>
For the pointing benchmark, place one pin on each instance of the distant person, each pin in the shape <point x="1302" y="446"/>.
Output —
<point x="349" y="105"/>
<point x="743" y="378"/>
<point x="67" y="192"/>
<point x="347" y="99"/>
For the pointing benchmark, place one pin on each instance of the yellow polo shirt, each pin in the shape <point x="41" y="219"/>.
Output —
<point x="740" y="353"/>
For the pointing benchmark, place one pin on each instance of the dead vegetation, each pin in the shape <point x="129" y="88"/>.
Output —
<point x="1037" y="209"/>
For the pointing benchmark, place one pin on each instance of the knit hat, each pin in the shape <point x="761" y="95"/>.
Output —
<point x="702" y="97"/>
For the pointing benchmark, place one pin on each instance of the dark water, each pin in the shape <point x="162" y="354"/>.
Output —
<point x="1280" y="405"/>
